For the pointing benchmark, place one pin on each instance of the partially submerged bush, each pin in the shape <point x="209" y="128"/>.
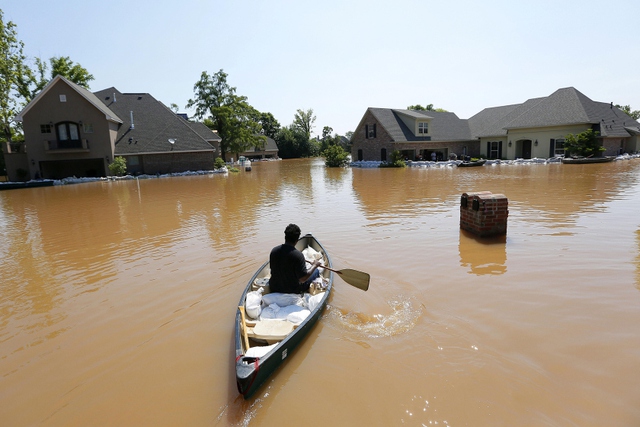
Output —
<point x="218" y="163"/>
<point x="396" y="161"/>
<point x="118" y="167"/>
<point x="335" y="156"/>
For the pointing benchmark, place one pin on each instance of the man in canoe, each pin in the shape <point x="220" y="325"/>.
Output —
<point x="289" y="272"/>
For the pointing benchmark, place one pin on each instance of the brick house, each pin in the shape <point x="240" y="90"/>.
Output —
<point x="70" y="131"/>
<point x="535" y="128"/>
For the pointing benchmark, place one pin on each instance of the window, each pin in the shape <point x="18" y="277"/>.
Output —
<point x="45" y="128"/>
<point x="63" y="98"/>
<point x="559" y="148"/>
<point x="423" y="128"/>
<point x="68" y="135"/>
<point x="370" y="131"/>
<point x="87" y="127"/>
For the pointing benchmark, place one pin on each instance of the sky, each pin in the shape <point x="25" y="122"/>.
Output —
<point x="339" y="57"/>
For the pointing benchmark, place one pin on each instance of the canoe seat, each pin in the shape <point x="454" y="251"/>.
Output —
<point x="270" y="330"/>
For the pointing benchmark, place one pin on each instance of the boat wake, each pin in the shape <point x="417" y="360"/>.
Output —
<point x="404" y="316"/>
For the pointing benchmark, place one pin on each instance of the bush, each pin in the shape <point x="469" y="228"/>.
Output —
<point x="335" y="156"/>
<point x="397" y="161"/>
<point x="118" y="167"/>
<point x="583" y="144"/>
<point x="219" y="163"/>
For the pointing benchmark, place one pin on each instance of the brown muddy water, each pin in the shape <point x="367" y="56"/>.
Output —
<point x="118" y="298"/>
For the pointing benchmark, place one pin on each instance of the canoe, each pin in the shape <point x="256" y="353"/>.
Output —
<point x="471" y="164"/>
<point x="280" y="339"/>
<point x="586" y="160"/>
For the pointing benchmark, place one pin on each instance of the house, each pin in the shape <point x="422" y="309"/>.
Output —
<point x="535" y="128"/>
<point x="70" y="131"/>
<point x="269" y="151"/>
<point x="416" y="134"/>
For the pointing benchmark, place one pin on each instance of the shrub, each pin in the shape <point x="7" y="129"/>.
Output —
<point x="584" y="143"/>
<point x="118" y="167"/>
<point x="335" y="156"/>
<point x="218" y="163"/>
<point x="397" y="161"/>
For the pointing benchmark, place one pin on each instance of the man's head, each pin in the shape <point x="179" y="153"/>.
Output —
<point x="292" y="234"/>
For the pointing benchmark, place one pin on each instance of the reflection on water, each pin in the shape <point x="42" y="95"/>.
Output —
<point x="122" y="295"/>
<point x="483" y="255"/>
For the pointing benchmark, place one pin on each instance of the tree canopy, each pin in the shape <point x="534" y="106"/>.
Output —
<point x="634" y="114"/>
<point x="237" y="122"/>
<point x="427" y="107"/>
<point x="19" y="83"/>
<point x="304" y="120"/>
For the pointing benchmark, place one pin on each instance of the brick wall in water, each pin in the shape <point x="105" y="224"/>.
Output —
<point x="484" y="214"/>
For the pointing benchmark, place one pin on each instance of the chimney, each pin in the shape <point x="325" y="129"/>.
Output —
<point x="611" y="106"/>
<point x="132" y="125"/>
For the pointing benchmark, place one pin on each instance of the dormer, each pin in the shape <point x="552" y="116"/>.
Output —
<point x="418" y="123"/>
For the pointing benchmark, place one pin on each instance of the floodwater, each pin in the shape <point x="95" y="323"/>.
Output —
<point x="117" y="299"/>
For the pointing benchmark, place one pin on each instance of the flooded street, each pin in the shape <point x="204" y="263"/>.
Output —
<point x="117" y="299"/>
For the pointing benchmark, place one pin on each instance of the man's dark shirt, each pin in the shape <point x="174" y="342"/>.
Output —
<point x="287" y="267"/>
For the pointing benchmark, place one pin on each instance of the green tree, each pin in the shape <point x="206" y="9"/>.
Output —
<point x="118" y="167"/>
<point x="304" y="120"/>
<point x="292" y="142"/>
<point x="12" y="75"/>
<point x="428" y="107"/>
<point x="236" y="121"/>
<point x="270" y="126"/>
<point x="335" y="156"/>
<point x="634" y="114"/>
<point x="584" y="143"/>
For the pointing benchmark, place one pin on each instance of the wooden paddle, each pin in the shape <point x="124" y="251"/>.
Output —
<point x="355" y="278"/>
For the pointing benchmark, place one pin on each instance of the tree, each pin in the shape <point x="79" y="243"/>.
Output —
<point x="584" y="143"/>
<point x="236" y="121"/>
<point x="12" y="74"/>
<point x="270" y="125"/>
<point x="428" y="107"/>
<point x="304" y="120"/>
<point x="292" y="142"/>
<point x="635" y="115"/>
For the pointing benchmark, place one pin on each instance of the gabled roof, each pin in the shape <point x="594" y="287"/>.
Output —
<point x="202" y="130"/>
<point x="154" y="125"/>
<point x="566" y="106"/>
<point x="444" y="126"/>
<point x="90" y="97"/>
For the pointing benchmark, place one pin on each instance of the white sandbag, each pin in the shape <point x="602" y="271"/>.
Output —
<point x="312" y="301"/>
<point x="298" y="317"/>
<point x="274" y="311"/>
<point x="282" y="299"/>
<point x="311" y="254"/>
<point x="253" y="303"/>
<point x="259" y="351"/>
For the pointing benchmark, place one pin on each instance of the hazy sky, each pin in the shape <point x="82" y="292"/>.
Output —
<point x="339" y="57"/>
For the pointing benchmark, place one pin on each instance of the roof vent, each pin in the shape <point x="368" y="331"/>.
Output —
<point x="114" y="97"/>
<point x="132" y="125"/>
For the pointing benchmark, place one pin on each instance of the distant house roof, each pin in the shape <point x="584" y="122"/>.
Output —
<point x="148" y="126"/>
<point x="90" y="97"/>
<point x="566" y="106"/>
<point x="444" y="126"/>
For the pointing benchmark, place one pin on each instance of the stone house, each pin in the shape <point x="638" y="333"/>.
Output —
<point x="535" y="128"/>
<point x="70" y="131"/>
